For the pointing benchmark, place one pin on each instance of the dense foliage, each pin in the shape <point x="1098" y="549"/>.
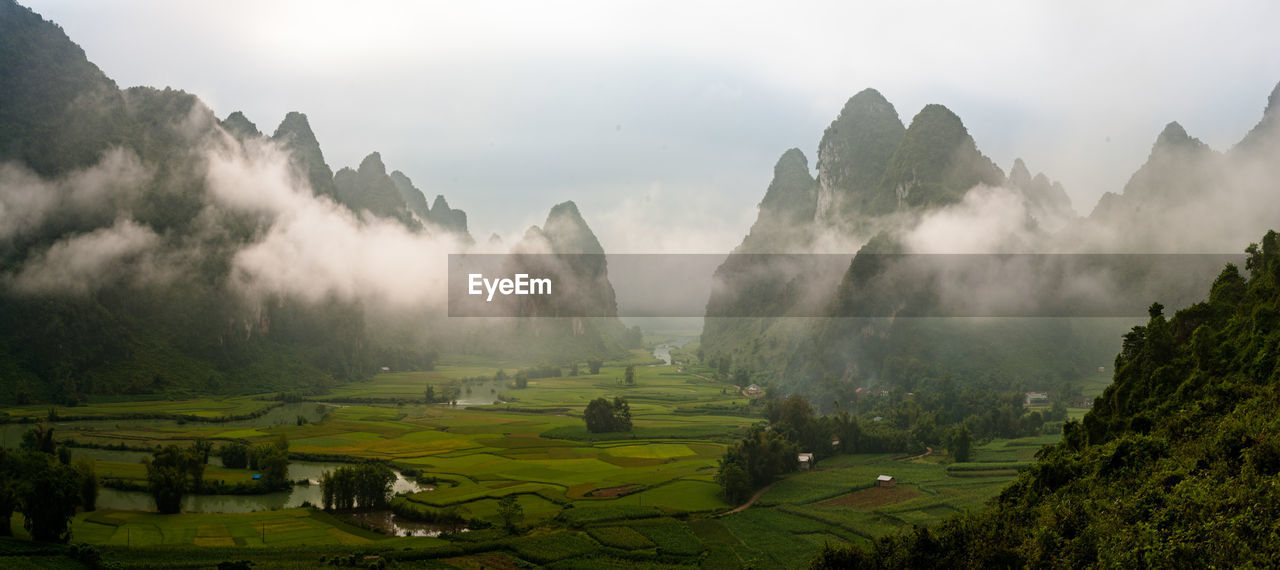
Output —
<point x="367" y="485"/>
<point x="38" y="481"/>
<point x="1176" y="465"/>
<point x="602" y="415"/>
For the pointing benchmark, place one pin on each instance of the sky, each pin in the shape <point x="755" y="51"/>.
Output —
<point x="663" y="120"/>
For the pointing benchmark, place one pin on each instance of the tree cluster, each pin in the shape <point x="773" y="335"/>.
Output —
<point x="367" y="485"/>
<point x="602" y="415"/>
<point x="39" y="481"/>
<point x="272" y="459"/>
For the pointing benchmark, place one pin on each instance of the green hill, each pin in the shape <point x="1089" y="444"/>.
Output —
<point x="1175" y="466"/>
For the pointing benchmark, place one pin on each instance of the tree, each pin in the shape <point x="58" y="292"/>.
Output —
<point x="337" y="488"/>
<point x="511" y="513"/>
<point x="367" y="486"/>
<point x="373" y="485"/>
<point x="235" y="455"/>
<point x="594" y="366"/>
<point x="621" y="415"/>
<point x="602" y="415"/>
<point x="167" y="478"/>
<point x="732" y="477"/>
<point x="88" y="483"/>
<point x="960" y="444"/>
<point x="203" y="448"/>
<point x="599" y="416"/>
<point x="430" y="395"/>
<point x="631" y="375"/>
<point x="273" y="460"/>
<point x="39" y="438"/>
<point x="573" y="368"/>
<point x="8" y="490"/>
<point x="47" y="494"/>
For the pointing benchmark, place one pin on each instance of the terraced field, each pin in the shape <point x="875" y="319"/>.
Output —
<point x="644" y="495"/>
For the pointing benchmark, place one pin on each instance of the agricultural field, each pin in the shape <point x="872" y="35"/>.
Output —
<point x="203" y="408"/>
<point x="648" y="494"/>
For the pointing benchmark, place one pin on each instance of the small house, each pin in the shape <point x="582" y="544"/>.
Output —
<point x="753" y="391"/>
<point x="806" y="461"/>
<point x="1037" y="399"/>
<point x="885" y="481"/>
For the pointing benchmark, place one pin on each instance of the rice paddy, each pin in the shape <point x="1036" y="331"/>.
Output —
<point x="590" y="497"/>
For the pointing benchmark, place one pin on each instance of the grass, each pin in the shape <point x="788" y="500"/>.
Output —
<point x="211" y="408"/>
<point x="622" y="537"/>
<point x="253" y="530"/>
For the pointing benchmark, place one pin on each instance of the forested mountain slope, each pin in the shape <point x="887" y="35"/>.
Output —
<point x="1177" y="464"/>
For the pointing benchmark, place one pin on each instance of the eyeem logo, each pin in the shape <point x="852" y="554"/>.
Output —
<point x="477" y="284"/>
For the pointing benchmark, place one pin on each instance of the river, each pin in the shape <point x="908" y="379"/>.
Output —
<point x="663" y="351"/>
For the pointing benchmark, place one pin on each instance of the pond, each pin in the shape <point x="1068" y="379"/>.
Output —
<point x="389" y="523"/>
<point x="310" y="470"/>
<point x="481" y="393"/>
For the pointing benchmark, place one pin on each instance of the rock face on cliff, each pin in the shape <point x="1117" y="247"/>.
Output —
<point x="853" y="156"/>
<point x="936" y="163"/>
<point x="787" y="211"/>
<point x="371" y="189"/>
<point x="295" y="135"/>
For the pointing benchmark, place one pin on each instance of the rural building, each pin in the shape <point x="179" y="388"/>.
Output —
<point x="753" y="391"/>
<point x="1037" y="399"/>
<point x="885" y="481"/>
<point x="806" y="461"/>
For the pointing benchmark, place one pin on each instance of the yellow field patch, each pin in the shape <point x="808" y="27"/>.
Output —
<point x="652" y="450"/>
<point x="241" y="433"/>
<point x="345" y="537"/>
<point x="286" y="525"/>
<point x="213" y="535"/>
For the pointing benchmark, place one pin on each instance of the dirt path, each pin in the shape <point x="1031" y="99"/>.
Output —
<point x="927" y="451"/>
<point x="752" y="500"/>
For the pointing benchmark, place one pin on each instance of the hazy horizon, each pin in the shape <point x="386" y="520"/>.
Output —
<point x="669" y="117"/>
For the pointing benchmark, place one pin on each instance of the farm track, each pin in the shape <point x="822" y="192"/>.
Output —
<point x="752" y="500"/>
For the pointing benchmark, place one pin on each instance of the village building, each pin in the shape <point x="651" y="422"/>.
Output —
<point x="885" y="481"/>
<point x="1037" y="399"/>
<point x="806" y="461"/>
<point x="753" y="391"/>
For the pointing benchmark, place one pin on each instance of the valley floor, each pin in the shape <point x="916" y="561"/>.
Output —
<point x="647" y="496"/>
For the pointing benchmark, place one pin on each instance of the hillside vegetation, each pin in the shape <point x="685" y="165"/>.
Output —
<point x="1176" y="465"/>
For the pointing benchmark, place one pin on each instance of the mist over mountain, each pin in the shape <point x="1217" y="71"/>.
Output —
<point x="147" y="246"/>
<point x="928" y="189"/>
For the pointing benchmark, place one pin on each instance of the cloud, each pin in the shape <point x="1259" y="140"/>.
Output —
<point x="79" y="264"/>
<point x="27" y="200"/>
<point x="660" y="219"/>
<point x="314" y="248"/>
<point x="989" y="219"/>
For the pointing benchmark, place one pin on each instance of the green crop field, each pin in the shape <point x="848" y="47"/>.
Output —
<point x="590" y="498"/>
